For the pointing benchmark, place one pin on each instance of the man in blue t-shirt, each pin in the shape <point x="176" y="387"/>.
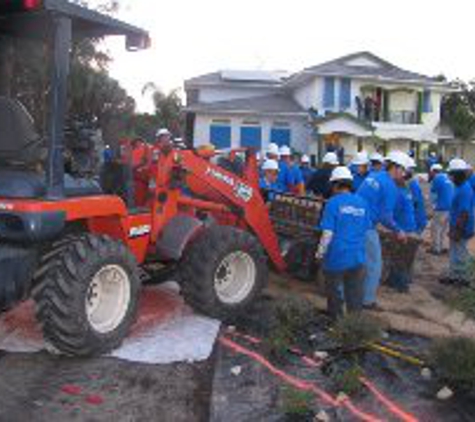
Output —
<point x="319" y="184"/>
<point x="306" y="169"/>
<point x="441" y="193"/>
<point x="420" y="212"/>
<point x="290" y="177"/>
<point x="399" y="277"/>
<point x="359" y="168"/>
<point x="344" y="224"/>
<point x="268" y="182"/>
<point x="380" y="192"/>
<point x="461" y="225"/>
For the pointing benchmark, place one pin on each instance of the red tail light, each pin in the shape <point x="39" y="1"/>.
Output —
<point x="31" y="4"/>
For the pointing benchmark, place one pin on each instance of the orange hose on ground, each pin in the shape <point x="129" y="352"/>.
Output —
<point x="299" y="383"/>
<point x="389" y="404"/>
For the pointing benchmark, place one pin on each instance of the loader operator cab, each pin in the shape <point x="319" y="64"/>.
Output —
<point x="32" y="166"/>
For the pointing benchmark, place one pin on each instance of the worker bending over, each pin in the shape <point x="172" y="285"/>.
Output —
<point x="380" y="192"/>
<point x="442" y="193"/>
<point x="461" y="227"/>
<point x="344" y="224"/>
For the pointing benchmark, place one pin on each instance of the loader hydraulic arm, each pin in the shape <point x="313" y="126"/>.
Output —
<point x="237" y="193"/>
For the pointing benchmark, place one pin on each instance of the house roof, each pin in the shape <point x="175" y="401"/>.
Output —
<point x="269" y="104"/>
<point x="239" y="77"/>
<point x="365" y="65"/>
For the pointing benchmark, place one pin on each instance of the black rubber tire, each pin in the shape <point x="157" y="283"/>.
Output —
<point x="201" y="261"/>
<point x="62" y="286"/>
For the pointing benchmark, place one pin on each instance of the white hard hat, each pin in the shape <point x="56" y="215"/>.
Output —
<point x="376" y="156"/>
<point x="285" y="151"/>
<point x="360" y="159"/>
<point x="457" y="164"/>
<point x="411" y="163"/>
<point x="330" y="158"/>
<point x="399" y="158"/>
<point x="436" y="167"/>
<point x="273" y="149"/>
<point x="270" y="165"/>
<point x="305" y="159"/>
<point x="341" y="173"/>
<point x="162" y="132"/>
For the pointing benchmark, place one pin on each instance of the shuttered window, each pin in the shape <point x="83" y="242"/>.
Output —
<point x="220" y="135"/>
<point x="426" y="102"/>
<point x="345" y="93"/>
<point x="329" y="92"/>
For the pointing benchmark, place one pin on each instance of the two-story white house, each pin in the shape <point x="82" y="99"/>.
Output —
<point x="359" y="101"/>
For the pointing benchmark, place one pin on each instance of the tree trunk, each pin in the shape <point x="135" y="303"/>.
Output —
<point x="6" y="68"/>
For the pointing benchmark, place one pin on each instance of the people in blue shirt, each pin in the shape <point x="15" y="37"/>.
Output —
<point x="360" y="169"/>
<point x="380" y="192"/>
<point x="461" y="224"/>
<point x="441" y="193"/>
<point x="400" y="277"/>
<point x="290" y="177"/>
<point x="417" y="196"/>
<point x="377" y="162"/>
<point x="268" y="182"/>
<point x="306" y="169"/>
<point x="319" y="185"/>
<point x="344" y="224"/>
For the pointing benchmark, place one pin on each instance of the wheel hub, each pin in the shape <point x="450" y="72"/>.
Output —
<point x="108" y="298"/>
<point x="235" y="277"/>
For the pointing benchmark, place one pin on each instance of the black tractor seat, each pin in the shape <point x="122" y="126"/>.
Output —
<point x="26" y="184"/>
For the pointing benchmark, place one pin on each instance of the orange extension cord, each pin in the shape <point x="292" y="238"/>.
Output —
<point x="298" y="383"/>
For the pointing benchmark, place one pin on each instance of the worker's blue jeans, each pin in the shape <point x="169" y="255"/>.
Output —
<point x="460" y="259"/>
<point x="374" y="267"/>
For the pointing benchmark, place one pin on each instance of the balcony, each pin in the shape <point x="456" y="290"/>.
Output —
<point x="373" y="111"/>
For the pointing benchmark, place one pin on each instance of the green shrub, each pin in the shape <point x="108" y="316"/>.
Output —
<point x="296" y="402"/>
<point x="454" y="361"/>
<point x="276" y="345"/>
<point x="348" y="380"/>
<point x="357" y="330"/>
<point x="295" y="313"/>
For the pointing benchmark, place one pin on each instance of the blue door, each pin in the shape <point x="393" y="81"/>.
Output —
<point x="281" y="136"/>
<point x="251" y="137"/>
<point x="220" y="136"/>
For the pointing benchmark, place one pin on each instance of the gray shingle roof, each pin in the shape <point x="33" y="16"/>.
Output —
<point x="225" y="77"/>
<point x="386" y="70"/>
<point x="269" y="104"/>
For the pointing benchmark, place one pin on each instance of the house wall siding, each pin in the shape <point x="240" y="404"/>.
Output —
<point x="301" y="135"/>
<point x="214" y="94"/>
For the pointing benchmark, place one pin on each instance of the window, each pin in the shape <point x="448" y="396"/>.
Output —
<point x="251" y="136"/>
<point x="329" y="92"/>
<point x="281" y="136"/>
<point x="426" y="102"/>
<point x="345" y="93"/>
<point x="220" y="133"/>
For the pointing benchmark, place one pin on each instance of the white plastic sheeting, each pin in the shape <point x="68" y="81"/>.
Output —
<point x="166" y="330"/>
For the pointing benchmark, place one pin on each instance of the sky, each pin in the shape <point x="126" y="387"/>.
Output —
<point x="193" y="37"/>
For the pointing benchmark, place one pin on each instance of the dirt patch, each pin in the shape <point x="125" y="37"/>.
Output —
<point x="42" y="387"/>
